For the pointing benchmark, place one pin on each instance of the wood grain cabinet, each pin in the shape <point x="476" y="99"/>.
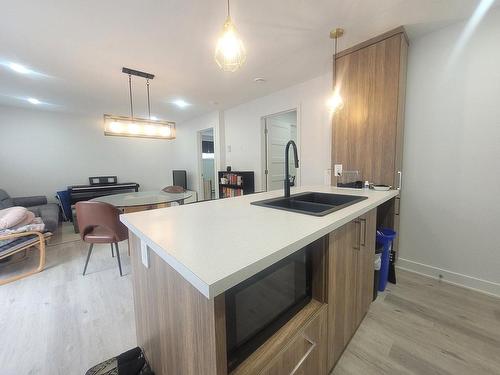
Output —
<point x="350" y="281"/>
<point x="366" y="258"/>
<point x="368" y="130"/>
<point x="306" y="353"/>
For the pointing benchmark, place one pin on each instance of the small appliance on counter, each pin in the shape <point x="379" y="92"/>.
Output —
<point x="350" y="179"/>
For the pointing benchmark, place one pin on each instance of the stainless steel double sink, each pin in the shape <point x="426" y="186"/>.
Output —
<point x="311" y="203"/>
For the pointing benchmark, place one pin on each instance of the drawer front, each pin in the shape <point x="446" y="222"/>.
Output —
<point x="306" y="354"/>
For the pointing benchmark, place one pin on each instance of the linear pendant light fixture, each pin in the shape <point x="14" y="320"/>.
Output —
<point x="335" y="102"/>
<point x="230" y="52"/>
<point x="131" y="126"/>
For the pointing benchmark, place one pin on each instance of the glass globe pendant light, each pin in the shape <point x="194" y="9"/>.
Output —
<point x="230" y="53"/>
<point x="335" y="102"/>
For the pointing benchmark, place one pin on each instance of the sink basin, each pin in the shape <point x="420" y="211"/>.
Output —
<point x="311" y="203"/>
<point x="330" y="199"/>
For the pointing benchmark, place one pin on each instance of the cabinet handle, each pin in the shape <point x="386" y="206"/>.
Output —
<point x="362" y="221"/>
<point x="358" y="247"/>
<point x="397" y="203"/>
<point x="304" y="357"/>
<point x="400" y="177"/>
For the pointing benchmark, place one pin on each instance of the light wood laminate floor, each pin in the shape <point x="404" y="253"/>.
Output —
<point x="59" y="322"/>
<point x="423" y="326"/>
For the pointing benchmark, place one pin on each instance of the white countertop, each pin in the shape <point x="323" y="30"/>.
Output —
<point x="217" y="244"/>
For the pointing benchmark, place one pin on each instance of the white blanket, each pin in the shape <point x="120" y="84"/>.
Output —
<point x="37" y="225"/>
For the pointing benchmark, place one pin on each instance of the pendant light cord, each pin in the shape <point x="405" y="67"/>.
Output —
<point x="149" y="103"/>
<point x="130" y="93"/>
<point x="228" y="10"/>
<point x="335" y="63"/>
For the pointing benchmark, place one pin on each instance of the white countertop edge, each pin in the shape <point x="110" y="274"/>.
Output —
<point x="174" y="263"/>
<point x="212" y="290"/>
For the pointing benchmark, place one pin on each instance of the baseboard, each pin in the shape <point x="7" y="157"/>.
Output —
<point x="480" y="285"/>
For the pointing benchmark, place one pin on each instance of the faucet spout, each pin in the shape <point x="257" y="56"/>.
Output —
<point x="287" y="172"/>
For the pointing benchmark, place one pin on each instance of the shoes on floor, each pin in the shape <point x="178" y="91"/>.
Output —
<point x="131" y="362"/>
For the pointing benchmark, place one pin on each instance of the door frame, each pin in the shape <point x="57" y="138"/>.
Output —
<point x="199" y="169"/>
<point x="263" y="145"/>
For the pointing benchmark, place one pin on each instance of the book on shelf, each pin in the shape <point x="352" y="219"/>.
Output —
<point x="233" y="179"/>
<point x="231" y="192"/>
<point x="235" y="183"/>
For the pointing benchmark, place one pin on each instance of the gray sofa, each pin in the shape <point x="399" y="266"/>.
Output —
<point x="49" y="212"/>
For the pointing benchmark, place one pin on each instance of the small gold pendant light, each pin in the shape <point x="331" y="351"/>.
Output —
<point x="230" y="53"/>
<point x="335" y="102"/>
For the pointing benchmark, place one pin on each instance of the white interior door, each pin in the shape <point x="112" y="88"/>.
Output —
<point x="206" y="164"/>
<point x="280" y="129"/>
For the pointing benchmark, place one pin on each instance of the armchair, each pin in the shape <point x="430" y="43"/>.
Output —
<point x="11" y="244"/>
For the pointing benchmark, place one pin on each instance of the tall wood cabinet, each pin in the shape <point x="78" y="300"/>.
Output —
<point x="351" y="253"/>
<point x="368" y="130"/>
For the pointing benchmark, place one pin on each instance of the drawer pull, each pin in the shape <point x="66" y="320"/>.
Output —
<point x="358" y="241"/>
<point x="362" y="221"/>
<point x="304" y="357"/>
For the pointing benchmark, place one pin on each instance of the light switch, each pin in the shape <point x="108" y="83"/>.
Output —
<point x="144" y="254"/>
<point x="337" y="170"/>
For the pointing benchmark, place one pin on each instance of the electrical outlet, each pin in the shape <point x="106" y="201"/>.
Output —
<point x="144" y="254"/>
<point x="337" y="170"/>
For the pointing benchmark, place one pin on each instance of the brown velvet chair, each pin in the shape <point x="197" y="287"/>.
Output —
<point x="99" y="222"/>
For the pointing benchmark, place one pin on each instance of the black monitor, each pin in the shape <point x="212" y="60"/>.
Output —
<point x="179" y="179"/>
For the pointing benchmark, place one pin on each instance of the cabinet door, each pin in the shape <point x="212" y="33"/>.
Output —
<point x="397" y="208"/>
<point x="365" y="131"/>
<point x="366" y="255"/>
<point x="342" y="264"/>
<point x="306" y="354"/>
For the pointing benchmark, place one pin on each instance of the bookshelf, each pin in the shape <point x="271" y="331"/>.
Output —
<point x="238" y="183"/>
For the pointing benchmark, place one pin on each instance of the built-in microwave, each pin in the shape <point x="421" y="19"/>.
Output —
<point x="262" y="304"/>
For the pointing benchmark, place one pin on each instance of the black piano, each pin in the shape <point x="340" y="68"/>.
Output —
<point x="98" y="187"/>
<point x="85" y="192"/>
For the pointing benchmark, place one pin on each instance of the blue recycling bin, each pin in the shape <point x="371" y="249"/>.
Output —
<point x="385" y="236"/>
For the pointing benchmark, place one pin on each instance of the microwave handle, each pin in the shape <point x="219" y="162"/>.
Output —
<point x="304" y="357"/>
<point x="400" y="179"/>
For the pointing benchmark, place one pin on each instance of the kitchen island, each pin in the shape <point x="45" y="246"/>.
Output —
<point x="185" y="259"/>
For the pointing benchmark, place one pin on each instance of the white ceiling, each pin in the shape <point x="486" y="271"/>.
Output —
<point x="81" y="45"/>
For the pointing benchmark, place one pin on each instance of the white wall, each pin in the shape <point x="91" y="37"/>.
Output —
<point x="243" y="130"/>
<point x="450" y="211"/>
<point x="42" y="152"/>
<point x="186" y="147"/>
<point x="240" y="130"/>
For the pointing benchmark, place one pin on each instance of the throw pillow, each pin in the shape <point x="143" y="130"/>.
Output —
<point x="12" y="216"/>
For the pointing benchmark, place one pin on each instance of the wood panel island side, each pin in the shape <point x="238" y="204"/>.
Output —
<point x="186" y="260"/>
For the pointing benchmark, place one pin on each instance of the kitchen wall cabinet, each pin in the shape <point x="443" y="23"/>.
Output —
<point x="350" y="281"/>
<point x="368" y="130"/>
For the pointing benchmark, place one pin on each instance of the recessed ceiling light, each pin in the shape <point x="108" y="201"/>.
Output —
<point x="181" y="103"/>
<point x="259" y="80"/>
<point x="154" y="118"/>
<point x="33" y="101"/>
<point x="18" y="68"/>
<point x="22" y="69"/>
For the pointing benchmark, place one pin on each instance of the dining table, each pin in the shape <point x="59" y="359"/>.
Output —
<point x="144" y="200"/>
